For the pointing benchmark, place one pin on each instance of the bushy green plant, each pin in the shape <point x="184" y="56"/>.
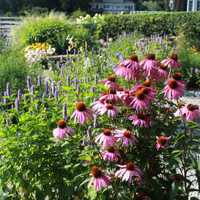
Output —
<point x="53" y="29"/>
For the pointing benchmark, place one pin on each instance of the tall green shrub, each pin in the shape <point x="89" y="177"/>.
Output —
<point x="53" y="29"/>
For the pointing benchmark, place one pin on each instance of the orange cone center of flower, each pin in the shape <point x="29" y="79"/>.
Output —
<point x="140" y="94"/>
<point x="191" y="107"/>
<point x="96" y="172"/>
<point x="134" y="58"/>
<point x="151" y="56"/>
<point x="130" y="166"/>
<point x="109" y="106"/>
<point x="61" y="124"/>
<point x="107" y="132"/>
<point x="127" y="134"/>
<point x="80" y="106"/>
<point x="162" y="140"/>
<point x="112" y="78"/>
<point x="177" y="76"/>
<point x="172" y="84"/>
<point x="112" y="91"/>
<point x="111" y="149"/>
<point x="141" y="116"/>
<point x="163" y="67"/>
<point x="174" y="57"/>
<point x="147" y="83"/>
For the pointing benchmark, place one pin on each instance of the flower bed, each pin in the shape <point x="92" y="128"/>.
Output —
<point x="100" y="133"/>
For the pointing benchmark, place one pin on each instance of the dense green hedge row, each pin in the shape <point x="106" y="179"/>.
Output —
<point x="151" y="23"/>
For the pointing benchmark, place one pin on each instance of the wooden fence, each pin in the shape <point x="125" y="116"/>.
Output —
<point x="6" y="23"/>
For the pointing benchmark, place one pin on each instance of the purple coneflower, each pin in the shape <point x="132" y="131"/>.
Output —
<point x="162" y="72"/>
<point x="161" y="142"/>
<point x="82" y="114"/>
<point x="110" y="109"/>
<point x="128" y="172"/>
<point x="126" y="137"/>
<point x="174" y="89"/>
<point x="129" y="69"/>
<point x="110" y="154"/>
<point x="106" y="138"/>
<point x="172" y="61"/>
<point x="110" y="82"/>
<point x="110" y="95"/>
<point x="140" y="100"/>
<point x="97" y="106"/>
<point x="141" y="120"/>
<point x="62" y="131"/>
<point x="149" y="65"/>
<point x="99" y="180"/>
<point x="190" y="112"/>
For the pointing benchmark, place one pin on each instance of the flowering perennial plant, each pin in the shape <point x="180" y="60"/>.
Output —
<point x="143" y="116"/>
<point x="130" y="137"/>
<point x="37" y="52"/>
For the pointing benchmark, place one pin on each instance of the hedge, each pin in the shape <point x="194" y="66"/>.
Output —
<point x="171" y="23"/>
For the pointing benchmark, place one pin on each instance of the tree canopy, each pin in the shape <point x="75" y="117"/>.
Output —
<point x="15" y="7"/>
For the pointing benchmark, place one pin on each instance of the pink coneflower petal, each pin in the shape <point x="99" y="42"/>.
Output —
<point x="106" y="138"/>
<point x="189" y="112"/>
<point x="110" y="82"/>
<point x="149" y="66"/>
<point x="110" y="110"/>
<point x="111" y="154"/>
<point x="126" y="137"/>
<point x="174" y="89"/>
<point x="62" y="131"/>
<point x="82" y="114"/>
<point x="129" y="69"/>
<point x="141" y="99"/>
<point x="128" y="172"/>
<point x="172" y="61"/>
<point x="140" y="120"/>
<point x="111" y="96"/>
<point x="99" y="180"/>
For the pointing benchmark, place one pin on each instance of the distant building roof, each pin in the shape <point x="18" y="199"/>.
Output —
<point x="114" y="6"/>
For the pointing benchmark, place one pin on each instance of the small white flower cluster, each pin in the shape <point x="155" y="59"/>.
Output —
<point x="89" y="19"/>
<point x="38" y="51"/>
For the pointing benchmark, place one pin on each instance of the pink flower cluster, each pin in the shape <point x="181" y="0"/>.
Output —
<point x="136" y="105"/>
<point x="137" y="99"/>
